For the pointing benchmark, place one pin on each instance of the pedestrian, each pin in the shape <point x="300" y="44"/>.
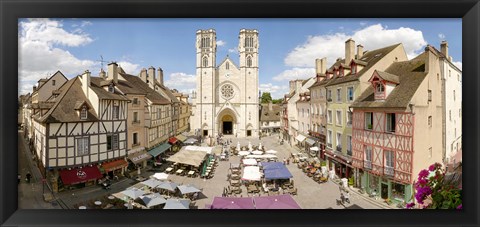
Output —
<point x="28" y="177"/>
<point x="284" y="161"/>
<point x="288" y="161"/>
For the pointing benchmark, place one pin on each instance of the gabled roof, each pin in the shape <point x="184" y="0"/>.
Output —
<point x="385" y="76"/>
<point x="410" y="73"/>
<point x="46" y="80"/>
<point x="135" y="85"/>
<point x="370" y="57"/>
<point x="230" y="60"/>
<point x="64" y="108"/>
<point x="167" y="91"/>
<point x="96" y="86"/>
<point x="273" y="115"/>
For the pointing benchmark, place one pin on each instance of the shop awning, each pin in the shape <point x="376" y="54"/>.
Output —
<point x="114" y="165"/>
<point x="77" y="175"/>
<point x="300" y="138"/>
<point x="181" y="137"/>
<point x="159" y="149"/>
<point x="139" y="156"/>
<point x="310" y="141"/>
<point x="172" y="140"/>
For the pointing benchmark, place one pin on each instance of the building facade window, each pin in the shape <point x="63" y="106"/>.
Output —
<point x="249" y="61"/>
<point x="83" y="113"/>
<point x="429" y="95"/>
<point x="329" y="95"/>
<point x="53" y="82"/>
<point x="115" y="112"/>
<point x="389" y="163"/>
<point x="135" y="138"/>
<point x="430" y="121"/>
<point x="227" y="65"/>
<point x="350" y="94"/>
<point x="390" y="122"/>
<point x="338" y="118"/>
<point x="349" y="145"/>
<point x="349" y="118"/>
<point x="339" y="142"/>
<point x="83" y="145"/>
<point x="368" y="157"/>
<point x="339" y="94"/>
<point x="205" y="62"/>
<point x="369" y="120"/>
<point x="135" y="101"/>
<point x="329" y="138"/>
<point x="112" y="142"/>
<point x="329" y="116"/>
<point x="135" y="117"/>
<point x="111" y="89"/>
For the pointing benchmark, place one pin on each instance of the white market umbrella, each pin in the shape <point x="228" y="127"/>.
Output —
<point x="249" y="162"/>
<point x="257" y="152"/>
<point x="260" y="146"/>
<point x="177" y="204"/>
<point x="187" y="189"/>
<point x="271" y="152"/>
<point x="269" y="156"/>
<point x="314" y="148"/>
<point x="153" y="199"/>
<point x="133" y="193"/>
<point x="160" y="176"/>
<point x="151" y="183"/>
<point x="243" y="153"/>
<point x="170" y="186"/>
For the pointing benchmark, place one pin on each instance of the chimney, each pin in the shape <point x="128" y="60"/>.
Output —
<point x="270" y="107"/>
<point x="102" y="74"/>
<point x="160" y="75"/>
<point x="349" y="50"/>
<point x="143" y="75"/>
<point x="113" y="72"/>
<point x="292" y="85"/>
<point x="34" y="88"/>
<point x="359" y="51"/>
<point x="298" y="85"/>
<point x="321" y="65"/>
<point x="444" y="48"/>
<point x="151" y="76"/>
<point x="86" y="82"/>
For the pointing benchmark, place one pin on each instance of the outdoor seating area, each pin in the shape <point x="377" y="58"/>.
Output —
<point x="313" y="168"/>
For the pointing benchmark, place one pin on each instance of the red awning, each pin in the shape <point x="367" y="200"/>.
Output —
<point x="113" y="165"/>
<point x="77" y="175"/>
<point x="172" y="140"/>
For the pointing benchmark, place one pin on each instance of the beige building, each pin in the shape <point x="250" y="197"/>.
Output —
<point x="349" y="78"/>
<point x="184" y="113"/>
<point x="397" y="126"/>
<point x="226" y="98"/>
<point x="83" y="132"/>
<point x="318" y="107"/>
<point x="303" y="119"/>
<point x="270" y="118"/>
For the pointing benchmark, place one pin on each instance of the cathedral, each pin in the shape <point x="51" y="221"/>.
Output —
<point x="226" y="98"/>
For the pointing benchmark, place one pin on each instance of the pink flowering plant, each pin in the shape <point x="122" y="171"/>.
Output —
<point x="434" y="192"/>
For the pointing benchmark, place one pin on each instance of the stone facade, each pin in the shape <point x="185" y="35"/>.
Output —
<point x="226" y="99"/>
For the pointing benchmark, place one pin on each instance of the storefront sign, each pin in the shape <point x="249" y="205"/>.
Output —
<point x="140" y="157"/>
<point x="81" y="174"/>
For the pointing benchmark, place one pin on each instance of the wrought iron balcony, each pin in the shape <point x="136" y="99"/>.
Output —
<point x="388" y="171"/>
<point x="367" y="164"/>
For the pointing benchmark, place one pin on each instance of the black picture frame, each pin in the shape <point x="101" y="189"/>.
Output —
<point x="11" y="11"/>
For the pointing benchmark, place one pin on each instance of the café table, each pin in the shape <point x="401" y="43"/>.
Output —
<point x="180" y="171"/>
<point x="98" y="203"/>
<point x="191" y="172"/>
<point x="169" y="169"/>
<point x="82" y="207"/>
<point x="252" y="188"/>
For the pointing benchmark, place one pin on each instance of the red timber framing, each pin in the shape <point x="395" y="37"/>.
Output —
<point x="400" y="142"/>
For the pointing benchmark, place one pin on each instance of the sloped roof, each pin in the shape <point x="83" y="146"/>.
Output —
<point x="370" y="57"/>
<point x="64" y="108"/>
<point x="135" y="85"/>
<point x="270" y="115"/>
<point x="410" y="73"/>
<point x="167" y="91"/>
<point x="96" y="86"/>
<point x="46" y="80"/>
<point x="387" y="76"/>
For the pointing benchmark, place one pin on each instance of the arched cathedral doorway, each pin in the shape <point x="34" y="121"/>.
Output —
<point x="227" y="125"/>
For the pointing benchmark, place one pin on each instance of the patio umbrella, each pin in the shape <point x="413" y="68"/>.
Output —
<point x="276" y="202"/>
<point x="257" y="152"/>
<point x="151" y="183"/>
<point x="160" y="176"/>
<point x="190" y="141"/>
<point x="167" y="185"/>
<point x="314" y="148"/>
<point x="133" y="193"/>
<point x="271" y="152"/>
<point x="187" y="189"/>
<point x="177" y="204"/>
<point x="260" y="146"/>
<point x="238" y="146"/>
<point x="269" y="156"/>
<point x="153" y="199"/>
<point x="243" y="153"/>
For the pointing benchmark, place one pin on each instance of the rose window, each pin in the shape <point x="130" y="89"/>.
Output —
<point x="227" y="91"/>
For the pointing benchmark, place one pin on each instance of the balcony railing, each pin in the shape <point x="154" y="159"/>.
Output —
<point x="367" y="164"/>
<point x="388" y="171"/>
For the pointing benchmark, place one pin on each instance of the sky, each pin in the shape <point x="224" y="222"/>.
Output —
<point x="287" y="47"/>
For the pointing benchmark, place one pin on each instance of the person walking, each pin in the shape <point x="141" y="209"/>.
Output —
<point x="28" y="177"/>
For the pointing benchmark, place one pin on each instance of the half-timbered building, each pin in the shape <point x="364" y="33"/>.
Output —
<point x="397" y="126"/>
<point x="83" y="133"/>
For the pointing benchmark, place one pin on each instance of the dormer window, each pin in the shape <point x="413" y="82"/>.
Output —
<point x="341" y="71"/>
<point x="379" y="87"/>
<point x="83" y="113"/>
<point x="354" y="69"/>
<point x="379" y="90"/>
<point x="111" y="89"/>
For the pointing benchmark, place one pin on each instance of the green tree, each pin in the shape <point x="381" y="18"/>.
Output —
<point x="266" y="97"/>
<point x="277" y="101"/>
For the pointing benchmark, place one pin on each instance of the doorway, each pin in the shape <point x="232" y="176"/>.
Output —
<point x="384" y="191"/>
<point x="227" y="128"/>
<point x="205" y="132"/>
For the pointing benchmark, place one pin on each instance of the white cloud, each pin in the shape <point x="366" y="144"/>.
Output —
<point x="372" y="37"/>
<point x="233" y="50"/>
<point x="85" y="23"/>
<point x="458" y="64"/>
<point x="276" y="91"/>
<point x="182" y="82"/>
<point x="441" y="36"/>
<point x="221" y="43"/>
<point x="40" y="53"/>
<point x="129" y="67"/>
<point x="295" y="73"/>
